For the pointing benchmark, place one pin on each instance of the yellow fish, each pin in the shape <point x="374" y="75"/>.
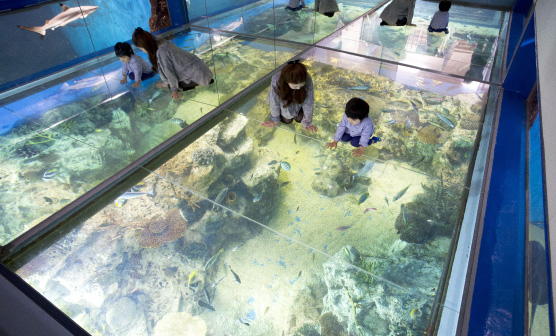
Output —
<point x="414" y="313"/>
<point x="192" y="278"/>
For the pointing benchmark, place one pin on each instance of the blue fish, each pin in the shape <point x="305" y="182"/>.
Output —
<point x="445" y="120"/>
<point x="361" y="81"/>
<point x="250" y="318"/>
<point x="298" y="232"/>
<point x="366" y="168"/>
<point x="297" y="219"/>
<point x="359" y="87"/>
<point x="286" y="166"/>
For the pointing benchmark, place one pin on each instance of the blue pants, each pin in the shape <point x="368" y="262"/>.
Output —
<point x="432" y="30"/>
<point x="294" y="9"/>
<point x="356" y="140"/>
<point x="144" y="76"/>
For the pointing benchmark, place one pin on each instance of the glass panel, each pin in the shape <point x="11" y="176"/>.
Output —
<point x="538" y="272"/>
<point x="427" y="122"/>
<point x="55" y="47"/>
<point x="468" y="50"/>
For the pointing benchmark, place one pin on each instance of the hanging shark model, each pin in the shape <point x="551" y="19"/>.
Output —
<point x="68" y="15"/>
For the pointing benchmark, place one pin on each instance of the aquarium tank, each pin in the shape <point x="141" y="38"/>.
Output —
<point x="136" y="213"/>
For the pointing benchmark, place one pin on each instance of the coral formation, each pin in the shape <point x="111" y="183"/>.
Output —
<point x="157" y="231"/>
<point x="330" y="326"/>
<point x="204" y="156"/>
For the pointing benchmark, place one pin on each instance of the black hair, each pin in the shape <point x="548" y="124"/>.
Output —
<point x="123" y="49"/>
<point x="357" y="108"/>
<point x="444" y="5"/>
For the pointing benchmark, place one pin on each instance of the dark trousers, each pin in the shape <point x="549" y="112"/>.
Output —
<point x="289" y="121"/>
<point x="356" y="140"/>
<point x="432" y="30"/>
<point x="185" y="86"/>
<point x="144" y="76"/>
<point x="294" y="9"/>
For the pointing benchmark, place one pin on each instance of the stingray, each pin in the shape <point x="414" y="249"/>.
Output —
<point x="538" y="278"/>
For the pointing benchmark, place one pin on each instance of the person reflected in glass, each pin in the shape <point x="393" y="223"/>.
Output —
<point x="356" y="127"/>
<point x="133" y="66"/>
<point x="295" y="5"/>
<point x="439" y="22"/>
<point x="398" y="13"/>
<point x="178" y="69"/>
<point x="291" y="97"/>
<point x="326" y="7"/>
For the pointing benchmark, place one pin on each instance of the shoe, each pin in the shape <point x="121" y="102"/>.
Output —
<point x="383" y="23"/>
<point x="211" y="81"/>
<point x="375" y="140"/>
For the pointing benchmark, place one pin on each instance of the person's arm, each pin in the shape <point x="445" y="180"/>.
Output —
<point x="166" y="69"/>
<point x="308" y="106"/>
<point x="136" y="67"/>
<point x="274" y="101"/>
<point x="124" y="73"/>
<point x="339" y="133"/>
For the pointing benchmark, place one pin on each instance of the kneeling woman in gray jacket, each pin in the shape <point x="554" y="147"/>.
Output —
<point x="178" y="69"/>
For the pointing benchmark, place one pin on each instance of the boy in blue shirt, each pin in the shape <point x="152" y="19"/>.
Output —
<point x="356" y="127"/>
<point x="133" y="66"/>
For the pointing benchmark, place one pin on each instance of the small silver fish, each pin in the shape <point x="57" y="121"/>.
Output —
<point x="445" y="120"/>
<point x="258" y="198"/>
<point x="218" y="280"/>
<point x="400" y="194"/>
<point x="120" y="201"/>
<point x="156" y="94"/>
<point x="213" y="259"/>
<point x="237" y="247"/>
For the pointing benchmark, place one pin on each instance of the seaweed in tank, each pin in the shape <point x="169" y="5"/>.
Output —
<point x="431" y="214"/>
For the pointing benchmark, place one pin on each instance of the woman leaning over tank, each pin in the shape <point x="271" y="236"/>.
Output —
<point x="178" y="69"/>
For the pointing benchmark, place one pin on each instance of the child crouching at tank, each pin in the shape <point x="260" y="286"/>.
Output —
<point x="356" y="127"/>
<point x="133" y="66"/>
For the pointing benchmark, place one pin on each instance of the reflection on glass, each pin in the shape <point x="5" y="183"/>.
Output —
<point x="469" y="50"/>
<point x="539" y="287"/>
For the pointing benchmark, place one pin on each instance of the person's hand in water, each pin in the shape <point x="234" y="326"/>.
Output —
<point x="358" y="151"/>
<point x="123" y="81"/>
<point x="333" y="144"/>
<point x="312" y="128"/>
<point x="160" y="85"/>
<point x="269" y="123"/>
<point x="175" y="95"/>
<point x="136" y="85"/>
